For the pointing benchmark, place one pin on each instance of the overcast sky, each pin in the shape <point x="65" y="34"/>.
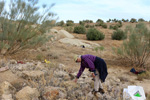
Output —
<point x="78" y="10"/>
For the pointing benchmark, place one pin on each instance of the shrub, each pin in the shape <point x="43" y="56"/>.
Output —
<point x="90" y="26"/>
<point x="109" y="20"/>
<point x="88" y="21"/>
<point x="119" y="35"/>
<point x="137" y="47"/>
<point x="23" y="25"/>
<point x="69" y="29"/>
<point x="82" y="23"/>
<point x="99" y="21"/>
<point x="79" y="30"/>
<point x="115" y="27"/>
<point x="87" y="26"/>
<point x="94" y="34"/>
<point x="61" y="23"/>
<point x="104" y="25"/>
<point x="133" y="20"/>
<point x="141" y="20"/>
<point x="69" y="23"/>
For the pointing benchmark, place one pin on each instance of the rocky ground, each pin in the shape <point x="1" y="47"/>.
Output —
<point x="33" y="79"/>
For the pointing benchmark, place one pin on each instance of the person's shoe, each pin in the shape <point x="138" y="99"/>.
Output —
<point x="94" y="92"/>
<point x="101" y="91"/>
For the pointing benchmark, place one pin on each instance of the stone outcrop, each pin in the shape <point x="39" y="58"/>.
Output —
<point x="28" y="93"/>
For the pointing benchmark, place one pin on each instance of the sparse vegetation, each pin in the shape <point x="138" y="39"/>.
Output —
<point x="119" y="35"/>
<point x="23" y="26"/>
<point x="79" y="30"/>
<point x="94" y="34"/>
<point x="145" y="75"/>
<point x="99" y="49"/>
<point x="40" y="57"/>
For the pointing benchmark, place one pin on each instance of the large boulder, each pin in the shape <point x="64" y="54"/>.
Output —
<point x="78" y="42"/>
<point x="65" y="34"/>
<point x="28" y="93"/>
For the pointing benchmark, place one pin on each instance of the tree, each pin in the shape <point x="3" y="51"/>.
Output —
<point x="23" y="25"/>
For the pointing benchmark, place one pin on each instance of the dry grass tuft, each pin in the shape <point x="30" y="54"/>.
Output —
<point x="142" y="76"/>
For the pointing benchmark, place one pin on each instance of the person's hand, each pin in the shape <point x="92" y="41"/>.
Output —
<point x="93" y="75"/>
<point x="75" y="80"/>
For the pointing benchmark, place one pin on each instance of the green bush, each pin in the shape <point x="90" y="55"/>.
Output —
<point x="79" y="30"/>
<point x="99" y="21"/>
<point x="119" y="35"/>
<point x="109" y="20"/>
<point x="141" y="20"/>
<point x="94" y="34"/>
<point x="69" y="23"/>
<point x="87" y="26"/>
<point x="115" y="27"/>
<point x="82" y="23"/>
<point x="88" y="21"/>
<point x="133" y="20"/>
<point x="23" y="24"/>
<point x="104" y="25"/>
<point x="69" y="29"/>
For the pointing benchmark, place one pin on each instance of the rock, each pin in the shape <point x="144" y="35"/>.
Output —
<point x="6" y="88"/>
<point x="7" y="97"/>
<point x="53" y="31"/>
<point x="3" y="51"/>
<point x="39" y="66"/>
<point x="27" y="93"/>
<point x="6" y="91"/>
<point x="75" y="42"/>
<point x="13" y="61"/>
<point x="69" y="85"/>
<point x="51" y="93"/>
<point x="33" y="74"/>
<point x="90" y="96"/>
<point x="65" y="34"/>
<point x="62" y="95"/>
<point x="61" y="67"/>
<point x="60" y="74"/>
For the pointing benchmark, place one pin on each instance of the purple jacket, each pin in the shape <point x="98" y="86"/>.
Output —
<point x="87" y="61"/>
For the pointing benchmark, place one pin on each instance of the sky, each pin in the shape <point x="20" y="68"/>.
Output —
<point x="78" y="10"/>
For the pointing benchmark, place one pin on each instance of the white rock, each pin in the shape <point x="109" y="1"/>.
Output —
<point x="6" y="88"/>
<point x="33" y="74"/>
<point x="65" y="34"/>
<point x="27" y="93"/>
<point x="7" y="97"/>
